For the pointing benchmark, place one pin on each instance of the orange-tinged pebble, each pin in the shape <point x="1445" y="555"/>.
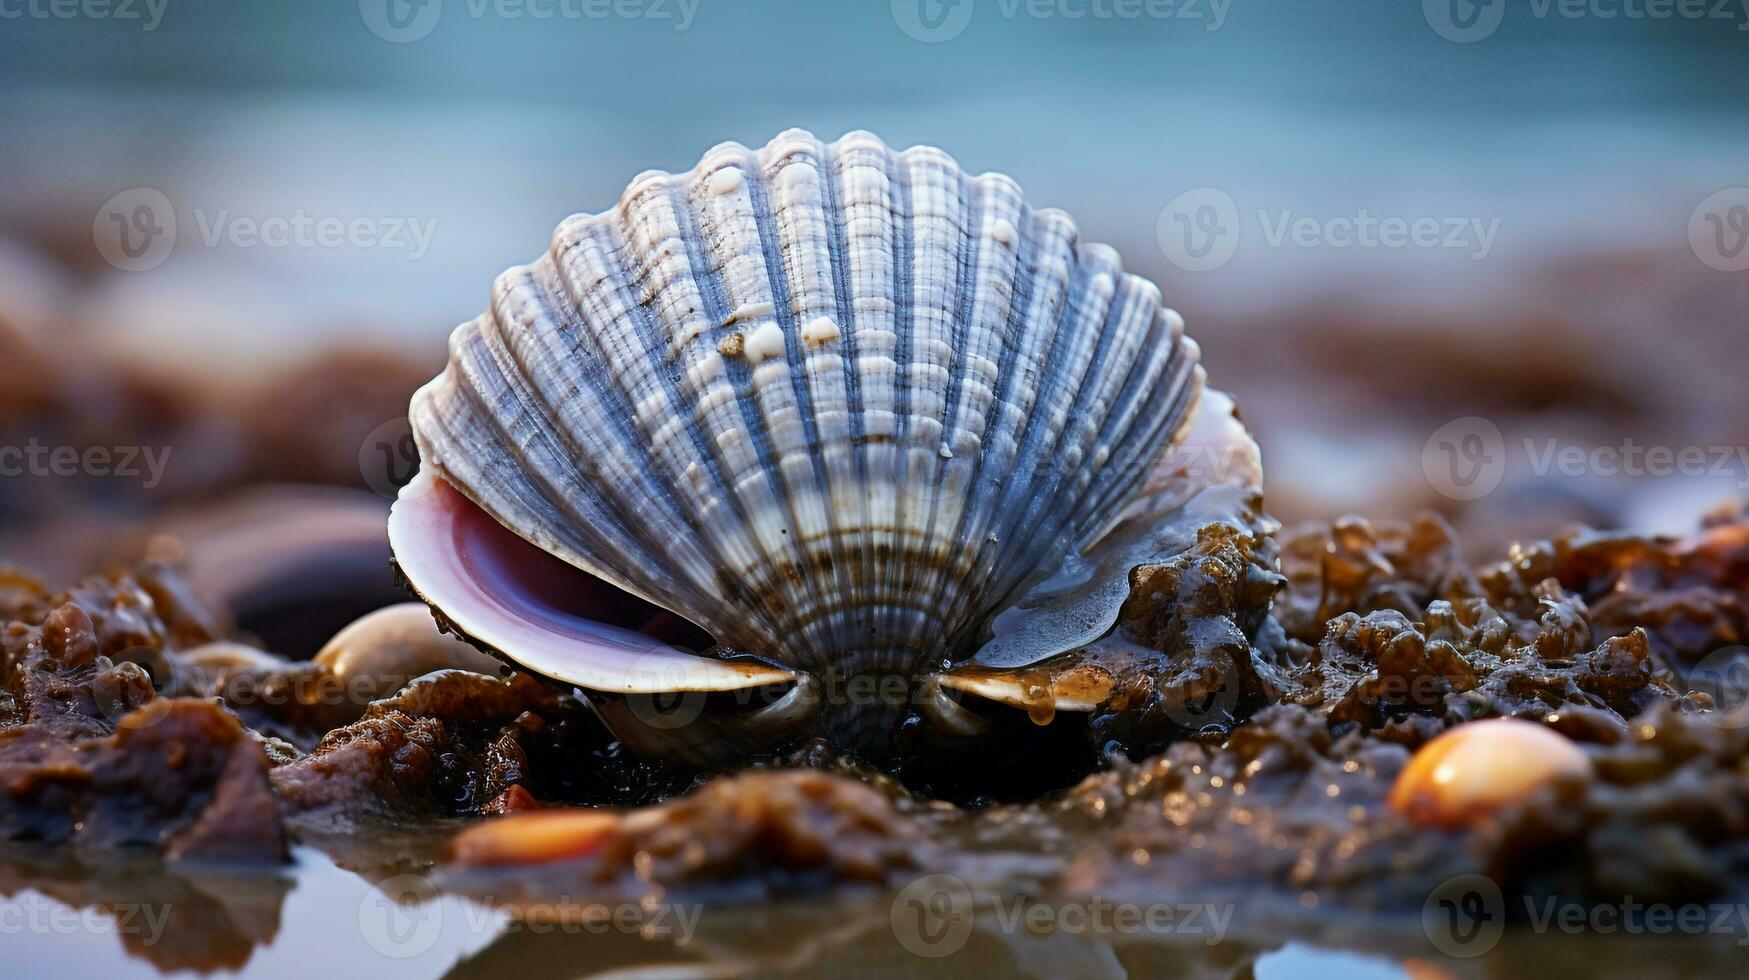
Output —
<point x="515" y="799"/>
<point x="539" y="837"/>
<point x="1474" y="770"/>
<point x="1423" y="970"/>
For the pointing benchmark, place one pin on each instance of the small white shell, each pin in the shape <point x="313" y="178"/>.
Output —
<point x="380" y="652"/>
<point x="1473" y="771"/>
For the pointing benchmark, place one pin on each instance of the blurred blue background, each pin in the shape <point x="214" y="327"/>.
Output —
<point x="1584" y="140"/>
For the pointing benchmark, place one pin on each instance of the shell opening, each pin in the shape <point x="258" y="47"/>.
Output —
<point x="541" y="612"/>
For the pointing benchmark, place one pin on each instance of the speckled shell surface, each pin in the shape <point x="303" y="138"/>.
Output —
<point x="836" y="404"/>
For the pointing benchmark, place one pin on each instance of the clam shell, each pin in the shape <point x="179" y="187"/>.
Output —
<point x="847" y="410"/>
<point x="839" y="405"/>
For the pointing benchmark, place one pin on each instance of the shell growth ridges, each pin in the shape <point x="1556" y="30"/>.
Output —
<point x="834" y="403"/>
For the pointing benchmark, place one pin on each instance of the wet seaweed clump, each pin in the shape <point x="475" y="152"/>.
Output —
<point x="126" y="722"/>
<point x="1386" y="631"/>
<point x="1387" y="638"/>
<point x="1184" y="656"/>
<point x="457" y="743"/>
<point x="92" y="756"/>
<point x="754" y="834"/>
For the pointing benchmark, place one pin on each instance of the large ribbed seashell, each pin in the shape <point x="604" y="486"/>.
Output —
<point x="837" y="405"/>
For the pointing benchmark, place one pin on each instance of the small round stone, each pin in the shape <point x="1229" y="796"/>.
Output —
<point x="380" y="652"/>
<point x="1473" y="771"/>
<point x="537" y="837"/>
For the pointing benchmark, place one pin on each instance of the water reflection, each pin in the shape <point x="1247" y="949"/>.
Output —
<point x="187" y="919"/>
<point x="139" y="918"/>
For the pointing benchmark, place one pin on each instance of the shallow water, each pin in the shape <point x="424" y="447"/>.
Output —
<point x="318" y="918"/>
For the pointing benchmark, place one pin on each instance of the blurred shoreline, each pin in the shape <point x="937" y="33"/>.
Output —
<point x="1563" y="167"/>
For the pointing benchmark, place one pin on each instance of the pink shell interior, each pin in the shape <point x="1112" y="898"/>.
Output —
<point x="542" y="612"/>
